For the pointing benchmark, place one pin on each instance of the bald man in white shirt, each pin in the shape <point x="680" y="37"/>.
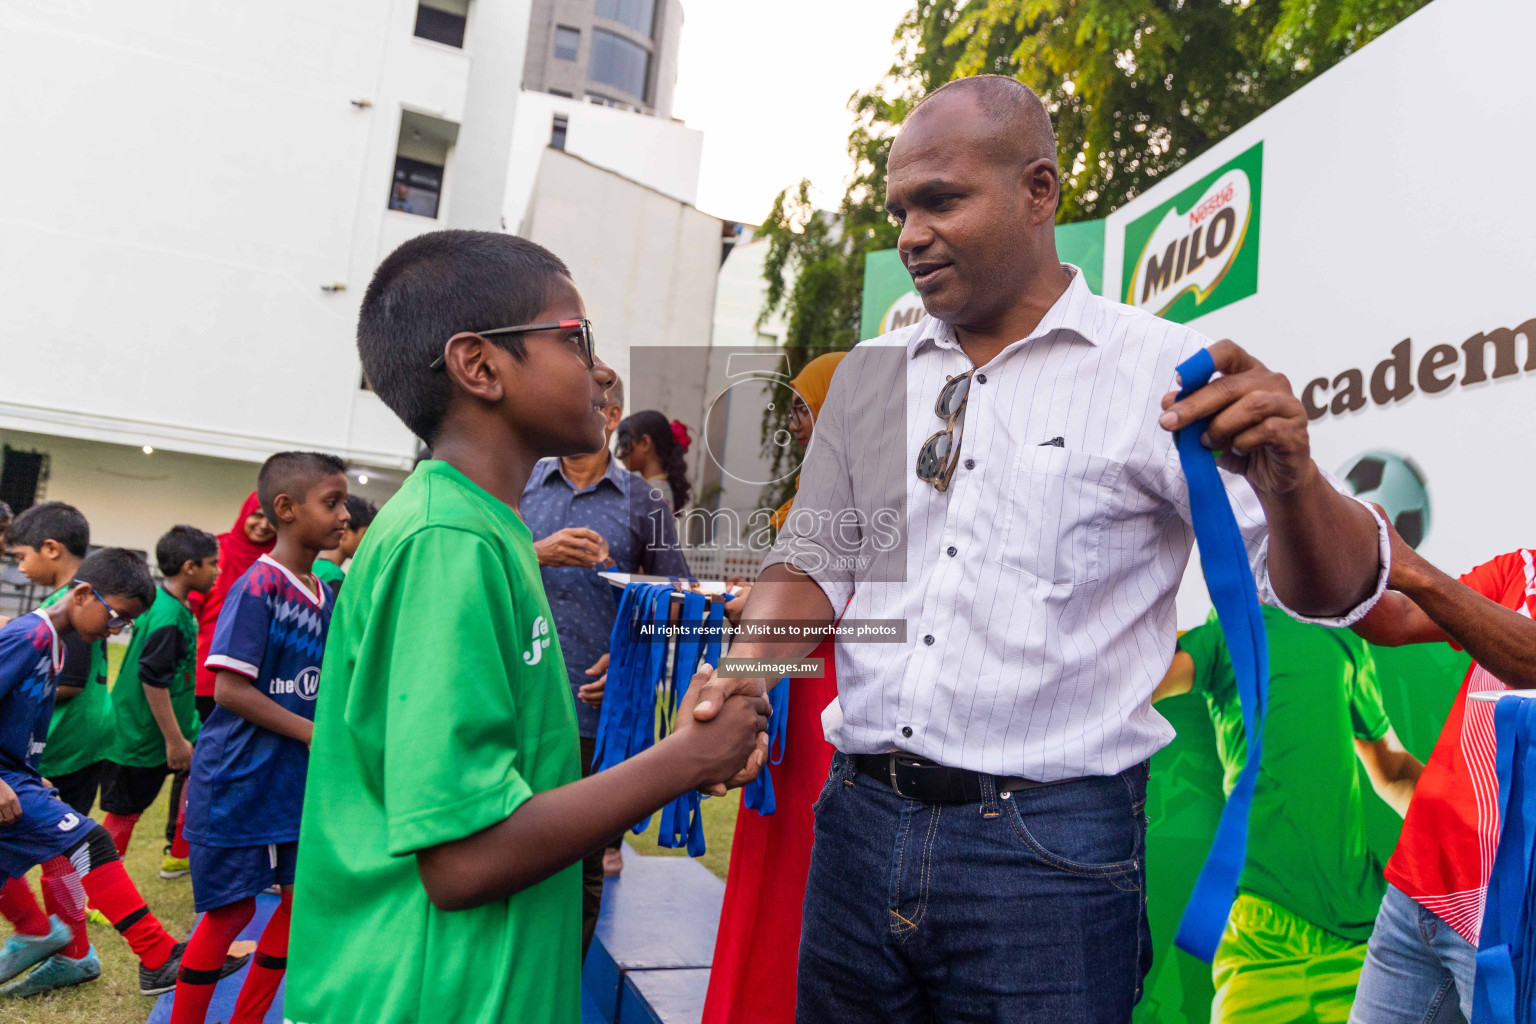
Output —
<point x="979" y="842"/>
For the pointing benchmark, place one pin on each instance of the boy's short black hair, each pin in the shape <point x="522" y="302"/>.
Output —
<point x="118" y="572"/>
<point x="55" y="521"/>
<point x="433" y="287"/>
<point x="361" y="511"/>
<point x="293" y="474"/>
<point x="183" y="544"/>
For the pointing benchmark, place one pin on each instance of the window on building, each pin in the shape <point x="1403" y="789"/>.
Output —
<point x="22" y="477"/>
<point x="567" y="42"/>
<point x="618" y="62"/>
<point x="442" y="21"/>
<point x="557" y="131"/>
<point x="637" y="14"/>
<point x="421" y="155"/>
<point x="560" y="92"/>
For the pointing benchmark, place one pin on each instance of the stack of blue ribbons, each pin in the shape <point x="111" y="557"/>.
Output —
<point x="641" y="698"/>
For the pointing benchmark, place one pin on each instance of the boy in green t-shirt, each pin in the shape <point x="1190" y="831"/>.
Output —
<point x="445" y="817"/>
<point x="360" y="512"/>
<point x="1310" y="888"/>
<point x="49" y="541"/>
<point x="153" y="698"/>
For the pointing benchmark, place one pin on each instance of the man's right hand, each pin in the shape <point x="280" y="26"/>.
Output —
<point x="732" y="735"/>
<point x="715" y="692"/>
<point x="178" y="754"/>
<point x="10" y="807"/>
<point x="573" y="546"/>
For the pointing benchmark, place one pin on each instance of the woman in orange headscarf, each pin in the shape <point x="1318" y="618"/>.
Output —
<point x="752" y="976"/>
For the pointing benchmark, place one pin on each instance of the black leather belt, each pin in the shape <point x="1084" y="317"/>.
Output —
<point x="917" y="778"/>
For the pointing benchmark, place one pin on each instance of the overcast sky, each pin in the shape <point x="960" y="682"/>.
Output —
<point x="768" y="84"/>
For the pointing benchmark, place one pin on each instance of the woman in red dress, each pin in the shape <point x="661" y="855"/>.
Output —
<point x="752" y="977"/>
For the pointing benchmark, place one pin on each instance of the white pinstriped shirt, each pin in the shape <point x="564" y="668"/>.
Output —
<point x="1039" y="590"/>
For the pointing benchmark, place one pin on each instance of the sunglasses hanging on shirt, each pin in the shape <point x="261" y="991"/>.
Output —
<point x="940" y="454"/>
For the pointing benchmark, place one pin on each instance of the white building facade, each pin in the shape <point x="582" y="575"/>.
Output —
<point x="205" y="193"/>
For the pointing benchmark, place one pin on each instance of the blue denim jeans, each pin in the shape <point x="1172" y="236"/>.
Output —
<point x="1418" y="970"/>
<point x="1024" y="907"/>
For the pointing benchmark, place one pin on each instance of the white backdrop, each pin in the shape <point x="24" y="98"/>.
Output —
<point x="1397" y="204"/>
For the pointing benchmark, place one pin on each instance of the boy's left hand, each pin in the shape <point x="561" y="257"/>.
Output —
<point x="10" y="806"/>
<point x="178" y="755"/>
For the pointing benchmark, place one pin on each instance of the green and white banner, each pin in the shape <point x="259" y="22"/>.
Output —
<point x="1199" y="250"/>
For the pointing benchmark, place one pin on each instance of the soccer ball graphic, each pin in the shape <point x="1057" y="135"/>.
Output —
<point x="1396" y="483"/>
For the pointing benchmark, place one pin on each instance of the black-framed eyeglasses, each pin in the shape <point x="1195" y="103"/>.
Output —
<point x="940" y="454"/>
<point x="114" y="620"/>
<point x="588" y="345"/>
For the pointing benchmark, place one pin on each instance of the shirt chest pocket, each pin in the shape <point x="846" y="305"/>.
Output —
<point x="1056" y="504"/>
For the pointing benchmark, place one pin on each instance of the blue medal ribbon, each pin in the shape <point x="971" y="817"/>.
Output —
<point x="757" y="795"/>
<point x="1229" y="578"/>
<point x="641" y="701"/>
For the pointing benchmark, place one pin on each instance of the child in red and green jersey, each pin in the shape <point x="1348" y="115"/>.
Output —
<point x="153" y="698"/>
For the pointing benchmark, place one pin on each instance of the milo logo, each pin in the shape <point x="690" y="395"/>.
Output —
<point x="904" y="312"/>
<point x="1198" y="251"/>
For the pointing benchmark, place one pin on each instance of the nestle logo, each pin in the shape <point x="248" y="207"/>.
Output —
<point x="1211" y="205"/>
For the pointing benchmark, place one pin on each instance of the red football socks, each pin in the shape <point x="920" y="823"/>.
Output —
<point x="267" y="968"/>
<point x="112" y="892"/>
<point x="19" y="906"/>
<point x="179" y="843"/>
<point x="64" y="896"/>
<point x="120" y="828"/>
<point x="203" y="959"/>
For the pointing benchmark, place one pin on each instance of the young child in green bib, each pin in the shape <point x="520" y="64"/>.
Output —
<point x="445" y="817"/>
<point x="153" y="698"/>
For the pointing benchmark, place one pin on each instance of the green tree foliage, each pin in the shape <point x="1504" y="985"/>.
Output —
<point x="1136" y="88"/>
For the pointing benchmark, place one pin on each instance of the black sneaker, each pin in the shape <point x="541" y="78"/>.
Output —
<point x="163" y="978"/>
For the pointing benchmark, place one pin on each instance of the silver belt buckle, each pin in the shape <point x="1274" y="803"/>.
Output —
<point x="895" y="787"/>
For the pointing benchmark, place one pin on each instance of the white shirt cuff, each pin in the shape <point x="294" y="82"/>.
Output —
<point x="1267" y="592"/>
<point x="223" y="662"/>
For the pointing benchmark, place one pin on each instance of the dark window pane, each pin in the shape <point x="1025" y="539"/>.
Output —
<point x="440" y="26"/>
<point x="567" y="41"/>
<point x="416" y="188"/>
<point x="619" y="63"/>
<point x="21" y="473"/>
<point x="637" y="14"/>
<point x="557" y="132"/>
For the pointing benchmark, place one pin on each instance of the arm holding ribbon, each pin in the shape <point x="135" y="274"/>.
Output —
<point x="1327" y="552"/>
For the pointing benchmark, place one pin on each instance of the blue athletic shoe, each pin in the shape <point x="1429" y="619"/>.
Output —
<point x="58" y="971"/>
<point x="22" y="951"/>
